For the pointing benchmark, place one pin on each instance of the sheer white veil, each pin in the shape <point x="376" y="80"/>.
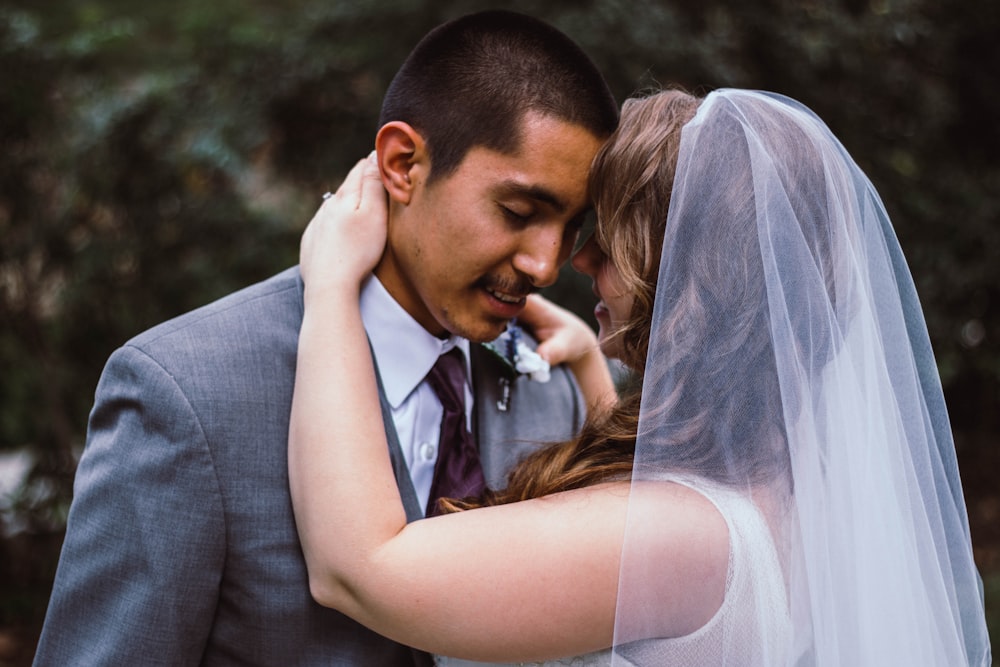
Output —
<point x="789" y="364"/>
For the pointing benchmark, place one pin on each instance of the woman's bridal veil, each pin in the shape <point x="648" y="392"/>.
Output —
<point x="789" y="363"/>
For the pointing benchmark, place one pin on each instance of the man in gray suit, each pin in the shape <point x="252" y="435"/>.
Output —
<point x="181" y="548"/>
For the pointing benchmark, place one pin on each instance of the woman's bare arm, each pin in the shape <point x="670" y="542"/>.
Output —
<point x="524" y="581"/>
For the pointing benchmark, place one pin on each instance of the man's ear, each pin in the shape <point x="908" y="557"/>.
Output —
<point x="402" y="158"/>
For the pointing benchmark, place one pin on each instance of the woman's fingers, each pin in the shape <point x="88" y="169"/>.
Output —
<point x="371" y="192"/>
<point x="346" y="237"/>
<point x="562" y="336"/>
<point x="350" y="191"/>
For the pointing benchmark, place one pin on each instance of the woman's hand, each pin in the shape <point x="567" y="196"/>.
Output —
<point x="346" y="238"/>
<point x="564" y="338"/>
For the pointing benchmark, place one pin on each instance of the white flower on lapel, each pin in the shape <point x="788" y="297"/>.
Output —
<point x="528" y="362"/>
<point x="518" y="356"/>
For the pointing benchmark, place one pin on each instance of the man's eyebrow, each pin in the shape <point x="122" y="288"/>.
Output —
<point x="536" y="192"/>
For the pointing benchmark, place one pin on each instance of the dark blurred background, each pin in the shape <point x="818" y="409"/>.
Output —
<point x="157" y="155"/>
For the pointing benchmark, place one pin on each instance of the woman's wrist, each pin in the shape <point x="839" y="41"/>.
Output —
<point x="594" y="378"/>
<point x="332" y="289"/>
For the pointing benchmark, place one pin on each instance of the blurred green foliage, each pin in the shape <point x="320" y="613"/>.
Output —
<point x="157" y="155"/>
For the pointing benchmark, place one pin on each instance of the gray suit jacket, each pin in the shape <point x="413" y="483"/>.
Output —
<point x="181" y="547"/>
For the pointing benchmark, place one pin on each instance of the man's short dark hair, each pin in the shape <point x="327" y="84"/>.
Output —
<point x="470" y="81"/>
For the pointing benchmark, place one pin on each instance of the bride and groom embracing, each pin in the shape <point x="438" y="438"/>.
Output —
<point x="777" y="486"/>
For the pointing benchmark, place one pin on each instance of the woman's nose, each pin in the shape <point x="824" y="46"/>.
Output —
<point x="585" y="259"/>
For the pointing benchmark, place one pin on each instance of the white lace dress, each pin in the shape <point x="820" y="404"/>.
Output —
<point x="753" y="616"/>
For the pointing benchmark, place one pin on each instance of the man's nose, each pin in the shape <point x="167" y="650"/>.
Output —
<point x="542" y="253"/>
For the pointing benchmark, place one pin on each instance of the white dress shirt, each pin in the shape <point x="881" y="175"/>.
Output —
<point x="406" y="352"/>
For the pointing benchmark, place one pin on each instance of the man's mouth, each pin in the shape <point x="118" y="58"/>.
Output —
<point x="513" y="299"/>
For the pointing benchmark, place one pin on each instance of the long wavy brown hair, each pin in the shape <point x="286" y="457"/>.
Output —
<point x="631" y="182"/>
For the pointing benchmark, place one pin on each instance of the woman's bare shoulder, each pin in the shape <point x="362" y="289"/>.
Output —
<point x="681" y="532"/>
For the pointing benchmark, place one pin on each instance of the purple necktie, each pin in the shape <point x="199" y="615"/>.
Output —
<point x="458" y="472"/>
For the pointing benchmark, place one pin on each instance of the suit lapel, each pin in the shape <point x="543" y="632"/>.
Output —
<point x="409" y="496"/>
<point x="502" y="438"/>
<point x="411" y="506"/>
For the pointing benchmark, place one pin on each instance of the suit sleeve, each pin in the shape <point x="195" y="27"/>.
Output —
<point x="138" y="577"/>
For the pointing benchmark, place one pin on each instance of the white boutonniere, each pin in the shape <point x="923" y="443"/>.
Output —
<point x="518" y="359"/>
<point x="517" y="356"/>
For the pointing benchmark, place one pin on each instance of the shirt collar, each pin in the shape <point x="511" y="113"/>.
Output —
<point x="401" y="366"/>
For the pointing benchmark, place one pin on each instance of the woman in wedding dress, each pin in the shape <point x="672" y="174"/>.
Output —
<point x="778" y="486"/>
